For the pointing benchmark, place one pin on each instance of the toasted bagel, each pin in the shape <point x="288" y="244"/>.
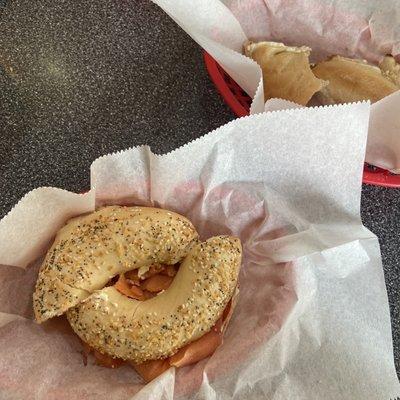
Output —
<point x="91" y="249"/>
<point x="286" y="71"/>
<point x="352" y="80"/>
<point x="122" y="327"/>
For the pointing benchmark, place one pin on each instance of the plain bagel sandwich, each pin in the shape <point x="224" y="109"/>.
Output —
<point x="137" y="285"/>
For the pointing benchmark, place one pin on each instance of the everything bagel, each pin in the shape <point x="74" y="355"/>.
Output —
<point x="139" y="331"/>
<point x="91" y="249"/>
<point x="137" y="285"/>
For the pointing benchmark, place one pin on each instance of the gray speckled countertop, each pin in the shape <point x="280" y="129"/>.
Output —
<point x="80" y="81"/>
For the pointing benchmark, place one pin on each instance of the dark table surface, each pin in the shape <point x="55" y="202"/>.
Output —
<point x="82" y="79"/>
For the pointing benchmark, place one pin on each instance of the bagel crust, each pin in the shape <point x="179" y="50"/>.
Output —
<point x="286" y="71"/>
<point x="157" y="328"/>
<point x="91" y="249"/>
<point x="352" y="80"/>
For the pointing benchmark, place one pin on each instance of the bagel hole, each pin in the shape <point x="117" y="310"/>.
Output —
<point x="151" y="369"/>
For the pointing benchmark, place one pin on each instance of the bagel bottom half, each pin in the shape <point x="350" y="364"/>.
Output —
<point x="192" y="353"/>
<point x="154" y="329"/>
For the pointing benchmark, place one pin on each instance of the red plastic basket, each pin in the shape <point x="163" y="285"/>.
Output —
<point x="239" y="102"/>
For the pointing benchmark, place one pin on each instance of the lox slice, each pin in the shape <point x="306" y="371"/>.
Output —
<point x="157" y="328"/>
<point x="91" y="249"/>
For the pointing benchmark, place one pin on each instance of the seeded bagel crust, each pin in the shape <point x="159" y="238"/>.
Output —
<point x="139" y="331"/>
<point x="89" y="250"/>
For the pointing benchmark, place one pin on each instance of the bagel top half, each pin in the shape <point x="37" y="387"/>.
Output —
<point x="91" y="249"/>
<point x="122" y="327"/>
<point x="286" y="71"/>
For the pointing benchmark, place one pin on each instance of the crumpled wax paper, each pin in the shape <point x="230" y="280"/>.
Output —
<point x="367" y="29"/>
<point x="312" y="320"/>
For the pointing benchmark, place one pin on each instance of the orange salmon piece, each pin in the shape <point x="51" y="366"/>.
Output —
<point x="149" y="370"/>
<point x="197" y="350"/>
<point x="107" y="361"/>
<point x="131" y="291"/>
<point x="157" y="283"/>
<point x="169" y="270"/>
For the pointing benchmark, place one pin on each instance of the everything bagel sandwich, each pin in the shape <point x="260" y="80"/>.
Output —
<point x="138" y="286"/>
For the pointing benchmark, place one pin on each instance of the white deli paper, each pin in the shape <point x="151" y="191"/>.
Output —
<point x="312" y="320"/>
<point x="367" y="29"/>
